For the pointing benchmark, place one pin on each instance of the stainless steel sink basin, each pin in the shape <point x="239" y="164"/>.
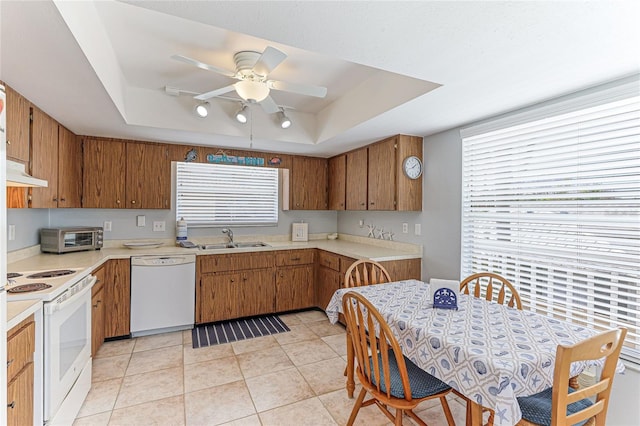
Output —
<point x="221" y="246"/>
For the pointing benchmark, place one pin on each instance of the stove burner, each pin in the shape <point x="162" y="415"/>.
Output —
<point x="26" y="288"/>
<point x="52" y="274"/>
<point x="13" y="275"/>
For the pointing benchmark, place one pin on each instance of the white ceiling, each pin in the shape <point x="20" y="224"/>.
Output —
<point x="416" y="68"/>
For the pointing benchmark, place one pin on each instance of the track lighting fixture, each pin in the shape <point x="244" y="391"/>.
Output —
<point x="285" y="122"/>
<point x="243" y="114"/>
<point x="202" y="109"/>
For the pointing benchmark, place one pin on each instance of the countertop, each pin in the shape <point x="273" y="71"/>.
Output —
<point x="18" y="311"/>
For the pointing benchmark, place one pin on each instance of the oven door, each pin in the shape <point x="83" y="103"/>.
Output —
<point x="67" y="343"/>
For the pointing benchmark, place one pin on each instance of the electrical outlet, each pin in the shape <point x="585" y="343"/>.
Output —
<point x="12" y="232"/>
<point x="405" y="228"/>
<point x="418" y="229"/>
<point x="107" y="226"/>
<point x="140" y="220"/>
<point x="158" y="226"/>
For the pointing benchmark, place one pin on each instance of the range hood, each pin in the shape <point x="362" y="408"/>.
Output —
<point x="17" y="176"/>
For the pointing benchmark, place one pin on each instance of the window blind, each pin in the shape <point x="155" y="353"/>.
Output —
<point x="210" y="195"/>
<point x="553" y="204"/>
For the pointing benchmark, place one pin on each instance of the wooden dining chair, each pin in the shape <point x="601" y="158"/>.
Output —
<point x="392" y="379"/>
<point x="359" y="273"/>
<point x="491" y="287"/>
<point x="562" y="405"/>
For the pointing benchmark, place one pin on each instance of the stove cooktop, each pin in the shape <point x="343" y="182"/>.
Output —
<point x="42" y="284"/>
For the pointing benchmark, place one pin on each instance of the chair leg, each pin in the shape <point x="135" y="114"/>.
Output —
<point x="351" y="384"/>
<point x="398" y="421"/>
<point x="447" y="411"/>
<point x="356" y="407"/>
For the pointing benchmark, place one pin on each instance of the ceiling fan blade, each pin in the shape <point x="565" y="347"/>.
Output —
<point x="214" y="93"/>
<point x="269" y="105"/>
<point x="270" y="58"/>
<point x="302" y="89"/>
<point x="203" y="66"/>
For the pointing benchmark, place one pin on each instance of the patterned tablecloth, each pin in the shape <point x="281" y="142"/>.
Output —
<point x="488" y="352"/>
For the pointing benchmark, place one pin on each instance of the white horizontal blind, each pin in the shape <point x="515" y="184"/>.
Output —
<point x="223" y="195"/>
<point x="554" y="206"/>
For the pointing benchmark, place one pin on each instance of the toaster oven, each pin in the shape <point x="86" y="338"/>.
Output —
<point x="66" y="240"/>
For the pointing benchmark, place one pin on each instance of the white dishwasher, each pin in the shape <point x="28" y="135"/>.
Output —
<point x="163" y="292"/>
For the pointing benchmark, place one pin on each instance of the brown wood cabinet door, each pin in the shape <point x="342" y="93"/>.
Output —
<point x="309" y="183"/>
<point x="403" y="269"/>
<point x="20" y="398"/>
<point x="257" y="292"/>
<point x="44" y="159"/>
<point x="382" y="175"/>
<point x="103" y="174"/>
<point x="97" y="318"/>
<point x="218" y="297"/>
<point x="327" y="282"/>
<point x="357" y="180"/>
<point x="337" y="182"/>
<point x="69" y="169"/>
<point x="294" y="288"/>
<point x="117" y="296"/>
<point x="148" y="176"/>
<point x="17" y="126"/>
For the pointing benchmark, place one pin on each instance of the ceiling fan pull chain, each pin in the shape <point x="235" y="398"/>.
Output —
<point x="250" y="128"/>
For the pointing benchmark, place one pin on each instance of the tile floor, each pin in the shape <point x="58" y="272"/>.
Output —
<point x="293" y="378"/>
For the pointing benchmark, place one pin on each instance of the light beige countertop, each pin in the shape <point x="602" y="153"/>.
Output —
<point x="20" y="310"/>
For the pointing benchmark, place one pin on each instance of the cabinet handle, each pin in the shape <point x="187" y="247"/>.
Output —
<point x="9" y="362"/>
<point x="232" y="280"/>
<point x="12" y="405"/>
<point x="372" y="203"/>
<point x="63" y="199"/>
<point x="295" y="259"/>
<point x="55" y="199"/>
<point x="362" y="204"/>
<point x="8" y="142"/>
<point x="133" y="201"/>
<point x="117" y="201"/>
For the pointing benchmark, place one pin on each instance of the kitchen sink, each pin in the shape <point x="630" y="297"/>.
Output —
<point x="221" y="246"/>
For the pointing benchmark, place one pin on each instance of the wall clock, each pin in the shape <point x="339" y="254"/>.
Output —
<point x="412" y="167"/>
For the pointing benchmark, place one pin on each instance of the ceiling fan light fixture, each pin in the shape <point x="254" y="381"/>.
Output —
<point x="252" y="90"/>
<point x="285" y="122"/>
<point x="202" y="109"/>
<point x="242" y="116"/>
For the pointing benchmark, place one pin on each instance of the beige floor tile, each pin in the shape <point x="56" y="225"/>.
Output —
<point x="116" y="347"/>
<point x="431" y="412"/>
<point x="309" y="412"/>
<point x="309" y="351"/>
<point x="298" y="333"/>
<point x="340" y="406"/>
<point x="211" y="373"/>
<point x="264" y="361"/>
<point x="155" y="359"/>
<point x="325" y="376"/>
<point x="290" y="319"/>
<point x="109" y="368"/>
<point x="158" y="341"/>
<point x="187" y="337"/>
<point x="102" y="397"/>
<point x="325" y="328"/>
<point x="247" y="421"/>
<point x="150" y="386"/>
<point x="207" y="353"/>
<point x="254" y="344"/>
<point x="218" y="405"/>
<point x="277" y="389"/>
<point x="168" y="411"/>
<point x="101" y="419"/>
<point x="337" y="342"/>
<point x="311" y="316"/>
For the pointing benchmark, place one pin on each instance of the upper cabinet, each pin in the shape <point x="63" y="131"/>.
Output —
<point x="18" y="117"/>
<point x="308" y="183"/>
<point x="69" y="169"/>
<point x="375" y="179"/>
<point x="337" y="182"/>
<point x="104" y="173"/>
<point x="148" y="182"/>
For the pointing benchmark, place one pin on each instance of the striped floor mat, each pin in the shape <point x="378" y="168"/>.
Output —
<point x="234" y="330"/>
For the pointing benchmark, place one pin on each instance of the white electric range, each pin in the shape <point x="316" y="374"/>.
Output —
<point x="66" y="297"/>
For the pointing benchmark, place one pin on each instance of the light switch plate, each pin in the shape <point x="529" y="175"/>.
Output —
<point x="12" y="232"/>
<point x="140" y="220"/>
<point x="418" y="229"/>
<point x="107" y="226"/>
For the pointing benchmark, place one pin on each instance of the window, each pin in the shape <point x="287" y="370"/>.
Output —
<point x="551" y="200"/>
<point x="209" y="195"/>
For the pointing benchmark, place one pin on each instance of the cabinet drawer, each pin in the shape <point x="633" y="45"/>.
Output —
<point x="294" y="257"/>
<point x="329" y="260"/>
<point x="234" y="262"/>
<point x="20" y="346"/>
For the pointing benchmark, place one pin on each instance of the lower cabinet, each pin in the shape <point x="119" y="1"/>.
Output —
<point x="294" y="288"/>
<point x="97" y="312"/>
<point x="327" y="277"/>
<point x="20" y="348"/>
<point x="117" y="298"/>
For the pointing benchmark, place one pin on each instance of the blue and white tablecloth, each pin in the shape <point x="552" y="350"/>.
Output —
<point x="489" y="352"/>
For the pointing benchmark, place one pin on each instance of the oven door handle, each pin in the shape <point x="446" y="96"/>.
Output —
<point x="50" y="308"/>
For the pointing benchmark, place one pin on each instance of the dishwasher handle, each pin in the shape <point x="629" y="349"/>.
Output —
<point x="163" y="260"/>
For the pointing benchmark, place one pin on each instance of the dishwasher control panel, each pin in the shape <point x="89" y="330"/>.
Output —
<point x="162" y="260"/>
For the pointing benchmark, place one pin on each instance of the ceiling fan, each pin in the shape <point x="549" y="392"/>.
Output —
<point x="252" y="70"/>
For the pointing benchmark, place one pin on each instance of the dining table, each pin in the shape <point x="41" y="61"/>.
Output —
<point x="488" y="352"/>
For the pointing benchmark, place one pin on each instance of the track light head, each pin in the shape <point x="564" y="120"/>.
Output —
<point x="285" y="122"/>
<point x="202" y="109"/>
<point x="243" y="114"/>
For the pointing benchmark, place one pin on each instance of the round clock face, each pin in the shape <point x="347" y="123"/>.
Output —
<point x="412" y="167"/>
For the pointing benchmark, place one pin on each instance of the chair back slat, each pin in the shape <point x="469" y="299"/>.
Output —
<point x="485" y="284"/>
<point x="365" y="272"/>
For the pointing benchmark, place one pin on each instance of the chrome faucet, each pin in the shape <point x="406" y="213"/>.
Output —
<point x="229" y="233"/>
